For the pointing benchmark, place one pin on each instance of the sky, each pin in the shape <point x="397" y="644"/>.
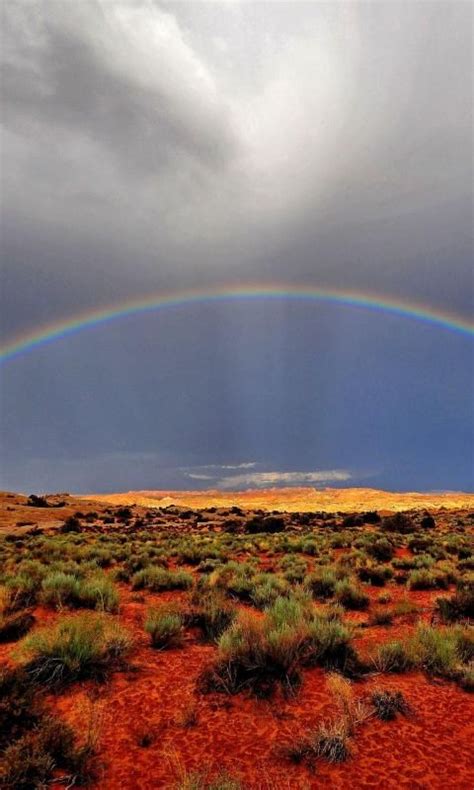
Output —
<point x="153" y="146"/>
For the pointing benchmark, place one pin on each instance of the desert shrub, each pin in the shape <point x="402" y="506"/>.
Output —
<point x="37" y="501"/>
<point x="159" y="579"/>
<point x="387" y="704"/>
<point x="99" y="592"/>
<point x="64" y="589"/>
<point x="350" y="596"/>
<point x="19" y="705"/>
<point x="213" y="615"/>
<point x="34" y="759"/>
<point x="22" y="591"/>
<point x="330" y="742"/>
<point x="439" y="651"/>
<point x="294" y="568"/>
<point x="258" y="653"/>
<point x="399" y="522"/>
<point x="381" y="617"/>
<point x="165" y="628"/>
<point x="377" y="575"/>
<point x="75" y="648"/>
<point x="196" y="780"/>
<point x="329" y="645"/>
<point x="465" y="679"/>
<point x="372" y="517"/>
<point x="124" y="514"/>
<point x="72" y="524"/>
<point x="420" y="543"/>
<point x="405" y="607"/>
<point x="266" y="588"/>
<point x="237" y="579"/>
<point x="35" y="746"/>
<point x="60" y="589"/>
<point x="393" y="657"/>
<point x="265" y="524"/>
<point x="436" y="651"/>
<point x="427" y="522"/>
<point x="14" y="626"/>
<point x="255" y="655"/>
<point x="459" y="606"/>
<point x="322" y="583"/>
<point x="381" y="549"/>
<point x="424" y="579"/>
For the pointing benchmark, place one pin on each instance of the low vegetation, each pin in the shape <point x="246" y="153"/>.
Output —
<point x="84" y="646"/>
<point x="267" y="603"/>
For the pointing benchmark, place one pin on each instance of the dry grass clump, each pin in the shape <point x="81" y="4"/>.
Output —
<point x="198" y="780"/>
<point x="331" y="740"/>
<point x="388" y="703"/>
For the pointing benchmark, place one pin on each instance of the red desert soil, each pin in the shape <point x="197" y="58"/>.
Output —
<point x="156" y="699"/>
<point x="294" y="499"/>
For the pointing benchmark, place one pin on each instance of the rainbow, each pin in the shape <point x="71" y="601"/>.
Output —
<point x="40" y="336"/>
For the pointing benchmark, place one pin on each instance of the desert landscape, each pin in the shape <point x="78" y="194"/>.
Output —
<point x="263" y="639"/>
<point x="236" y="395"/>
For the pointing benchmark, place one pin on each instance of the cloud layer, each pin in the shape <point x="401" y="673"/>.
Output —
<point x="147" y="144"/>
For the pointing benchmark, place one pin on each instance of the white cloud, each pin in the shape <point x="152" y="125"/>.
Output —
<point x="280" y="479"/>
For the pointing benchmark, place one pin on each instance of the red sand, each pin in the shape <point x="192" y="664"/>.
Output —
<point x="245" y="736"/>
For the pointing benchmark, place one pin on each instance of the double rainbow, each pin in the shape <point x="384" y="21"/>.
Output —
<point x="48" y="333"/>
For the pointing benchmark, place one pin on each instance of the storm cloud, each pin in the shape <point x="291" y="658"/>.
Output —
<point x="148" y="146"/>
<point x="202" y="141"/>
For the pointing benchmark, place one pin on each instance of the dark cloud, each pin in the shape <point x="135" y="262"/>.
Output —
<point x="150" y="146"/>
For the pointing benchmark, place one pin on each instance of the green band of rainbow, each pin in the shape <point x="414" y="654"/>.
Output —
<point x="87" y="320"/>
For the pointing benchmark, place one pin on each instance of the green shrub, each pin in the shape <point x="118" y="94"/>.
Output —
<point x="22" y="591"/>
<point x="459" y="606"/>
<point x="159" y="579"/>
<point x="60" y="589"/>
<point x="213" y="615"/>
<point x="377" y="575"/>
<point x="393" y="657"/>
<point x="381" y="549"/>
<point x="260" y="652"/>
<point x="75" y="648"/>
<point x="381" y="617"/>
<point x="322" y="583"/>
<point x="399" y="522"/>
<point x="99" y="592"/>
<point x="266" y="588"/>
<point x="165" y="628"/>
<point x="350" y="596"/>
<point x="424" y="579"/>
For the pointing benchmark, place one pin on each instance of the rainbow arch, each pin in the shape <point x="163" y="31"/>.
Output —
<point x="48" y="333"/>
